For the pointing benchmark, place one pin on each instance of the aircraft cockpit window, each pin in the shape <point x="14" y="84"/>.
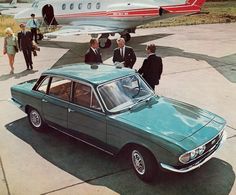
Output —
<point x="89" y="5"/>
<point x="98" y="5"/>
<point x="72" y="6"/>
<point x="80" y="6"/>
<point x="63" y="6"/>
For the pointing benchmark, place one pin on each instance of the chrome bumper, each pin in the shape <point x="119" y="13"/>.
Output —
<point x="196" y="165"/>
<point x="13" y="101"/>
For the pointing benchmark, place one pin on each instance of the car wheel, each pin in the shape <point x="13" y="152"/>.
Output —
<point x="144" y="163"/>
<point x="35" y="119"/>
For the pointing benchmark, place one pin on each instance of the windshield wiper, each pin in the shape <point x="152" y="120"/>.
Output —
<point x="147" y="99"/>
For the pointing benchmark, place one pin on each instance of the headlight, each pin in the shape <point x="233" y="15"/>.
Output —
<point x="191" y="155"/>
<point x="201" y="149"/>
<point x="185" y="158"/>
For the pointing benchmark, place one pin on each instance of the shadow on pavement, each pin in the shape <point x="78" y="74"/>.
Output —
<point x="216" y="177"/>
<point x="224" y="65"/>
<point x="17" y="75"/>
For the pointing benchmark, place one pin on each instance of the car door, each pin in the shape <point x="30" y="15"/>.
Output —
<point x="55" y="102"/>
<point x="86" y="118"/>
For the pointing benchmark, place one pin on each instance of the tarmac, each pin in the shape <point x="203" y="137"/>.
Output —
<point x="199" y="68"/>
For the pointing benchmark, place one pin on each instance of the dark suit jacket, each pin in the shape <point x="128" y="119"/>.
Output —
<point x="129" y="58"/>
<point x="25" y="40"/>
<point x="92" y="58"/>
<point x="151" y="69"/>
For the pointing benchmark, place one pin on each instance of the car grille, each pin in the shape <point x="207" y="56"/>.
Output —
<point x="211" y="147"/>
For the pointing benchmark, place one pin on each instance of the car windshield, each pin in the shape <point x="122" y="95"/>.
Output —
<point x="124" y="93"/>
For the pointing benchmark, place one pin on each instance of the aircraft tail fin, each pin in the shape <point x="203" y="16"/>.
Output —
<point x="198" y="3"/>
<point x="191" y="6"/>
<point x="13" y="2"/>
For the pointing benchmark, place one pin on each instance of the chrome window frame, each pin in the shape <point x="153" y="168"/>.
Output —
<point x="72" y="85"/>
<point x="113" y="81"/>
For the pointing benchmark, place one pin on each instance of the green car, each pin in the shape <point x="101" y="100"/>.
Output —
<point x="113" y="109"/>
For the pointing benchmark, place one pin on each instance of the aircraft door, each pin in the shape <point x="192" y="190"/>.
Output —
<point x="48" y="15"/>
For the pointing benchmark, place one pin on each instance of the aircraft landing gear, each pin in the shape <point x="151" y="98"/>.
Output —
<point x="126" y="37"/>
<point x="104" y="42"/>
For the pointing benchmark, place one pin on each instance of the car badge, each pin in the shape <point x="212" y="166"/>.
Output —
<point x="213" y="141"/>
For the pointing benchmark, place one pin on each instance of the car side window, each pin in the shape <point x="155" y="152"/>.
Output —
<point x="43" y="86"/>
<point x="60" y="88"/>
<point x="84" y="96"/>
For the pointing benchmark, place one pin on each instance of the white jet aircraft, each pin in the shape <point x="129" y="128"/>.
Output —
<point x="12" y="4"/>
<point x="105" y="17"/>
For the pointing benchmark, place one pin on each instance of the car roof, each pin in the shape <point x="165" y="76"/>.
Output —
<point x="95" y="74"/>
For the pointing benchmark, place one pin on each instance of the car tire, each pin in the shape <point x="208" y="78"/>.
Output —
<point x="35" y="119"/>
<point x="143" y="163"/>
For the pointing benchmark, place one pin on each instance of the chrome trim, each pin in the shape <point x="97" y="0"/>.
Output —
<point x="111" y="81"/>
<point x="202" y="145"/>
<point x="196" y="165"/>
<point x="13" y="101"/>
<point x="72" y="80"/>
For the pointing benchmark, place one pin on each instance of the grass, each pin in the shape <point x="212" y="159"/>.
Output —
<point x="8" y="21"/>
<point x="214" y="12"/>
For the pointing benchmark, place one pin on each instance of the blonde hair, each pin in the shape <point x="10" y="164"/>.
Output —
<point x="9" y="31"/>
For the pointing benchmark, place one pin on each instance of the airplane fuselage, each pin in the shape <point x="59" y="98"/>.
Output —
<point x="112" y="13"/>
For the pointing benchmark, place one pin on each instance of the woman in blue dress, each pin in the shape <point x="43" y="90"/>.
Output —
<point x="10" y="47"/>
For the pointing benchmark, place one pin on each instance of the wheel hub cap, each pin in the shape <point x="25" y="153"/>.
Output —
<point x="35" y="119"/>
<point x="138" y="162"/>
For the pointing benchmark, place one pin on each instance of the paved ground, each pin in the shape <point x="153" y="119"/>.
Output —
<point x="199" y="68"/>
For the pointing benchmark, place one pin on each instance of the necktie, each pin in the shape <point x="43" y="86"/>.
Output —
<point x="34" y="23"/>
<point x="121" y="52"/>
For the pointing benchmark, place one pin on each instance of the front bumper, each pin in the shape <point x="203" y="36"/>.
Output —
<point x="197" y="164"/>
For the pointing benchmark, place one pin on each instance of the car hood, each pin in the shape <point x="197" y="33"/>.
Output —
<point x="167" y="117"/>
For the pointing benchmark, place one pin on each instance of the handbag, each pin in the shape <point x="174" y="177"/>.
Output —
<point x="16" y="48"/>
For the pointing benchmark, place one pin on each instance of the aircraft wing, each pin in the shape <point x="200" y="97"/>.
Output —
<point x="1" y="9"/>
<point x="77" y="30"/>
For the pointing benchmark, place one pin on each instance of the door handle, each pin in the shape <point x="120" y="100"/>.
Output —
<point x="43" y="100"/>
<point x="70" y="110"/>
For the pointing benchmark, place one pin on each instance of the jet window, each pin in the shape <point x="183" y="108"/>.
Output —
<point x="72" y="6"/>
<point x="80" y="6"/>
<point x="89" y="5"/>
<point x="98" y="5"/>
<point x="63" y="6"/>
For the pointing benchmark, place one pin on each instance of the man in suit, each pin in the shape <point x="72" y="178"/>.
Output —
<point x="124" y="54"/>
<point x="93" y="55"/>
<point x="25" y="45"/>
<point x="151" y="69"/>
